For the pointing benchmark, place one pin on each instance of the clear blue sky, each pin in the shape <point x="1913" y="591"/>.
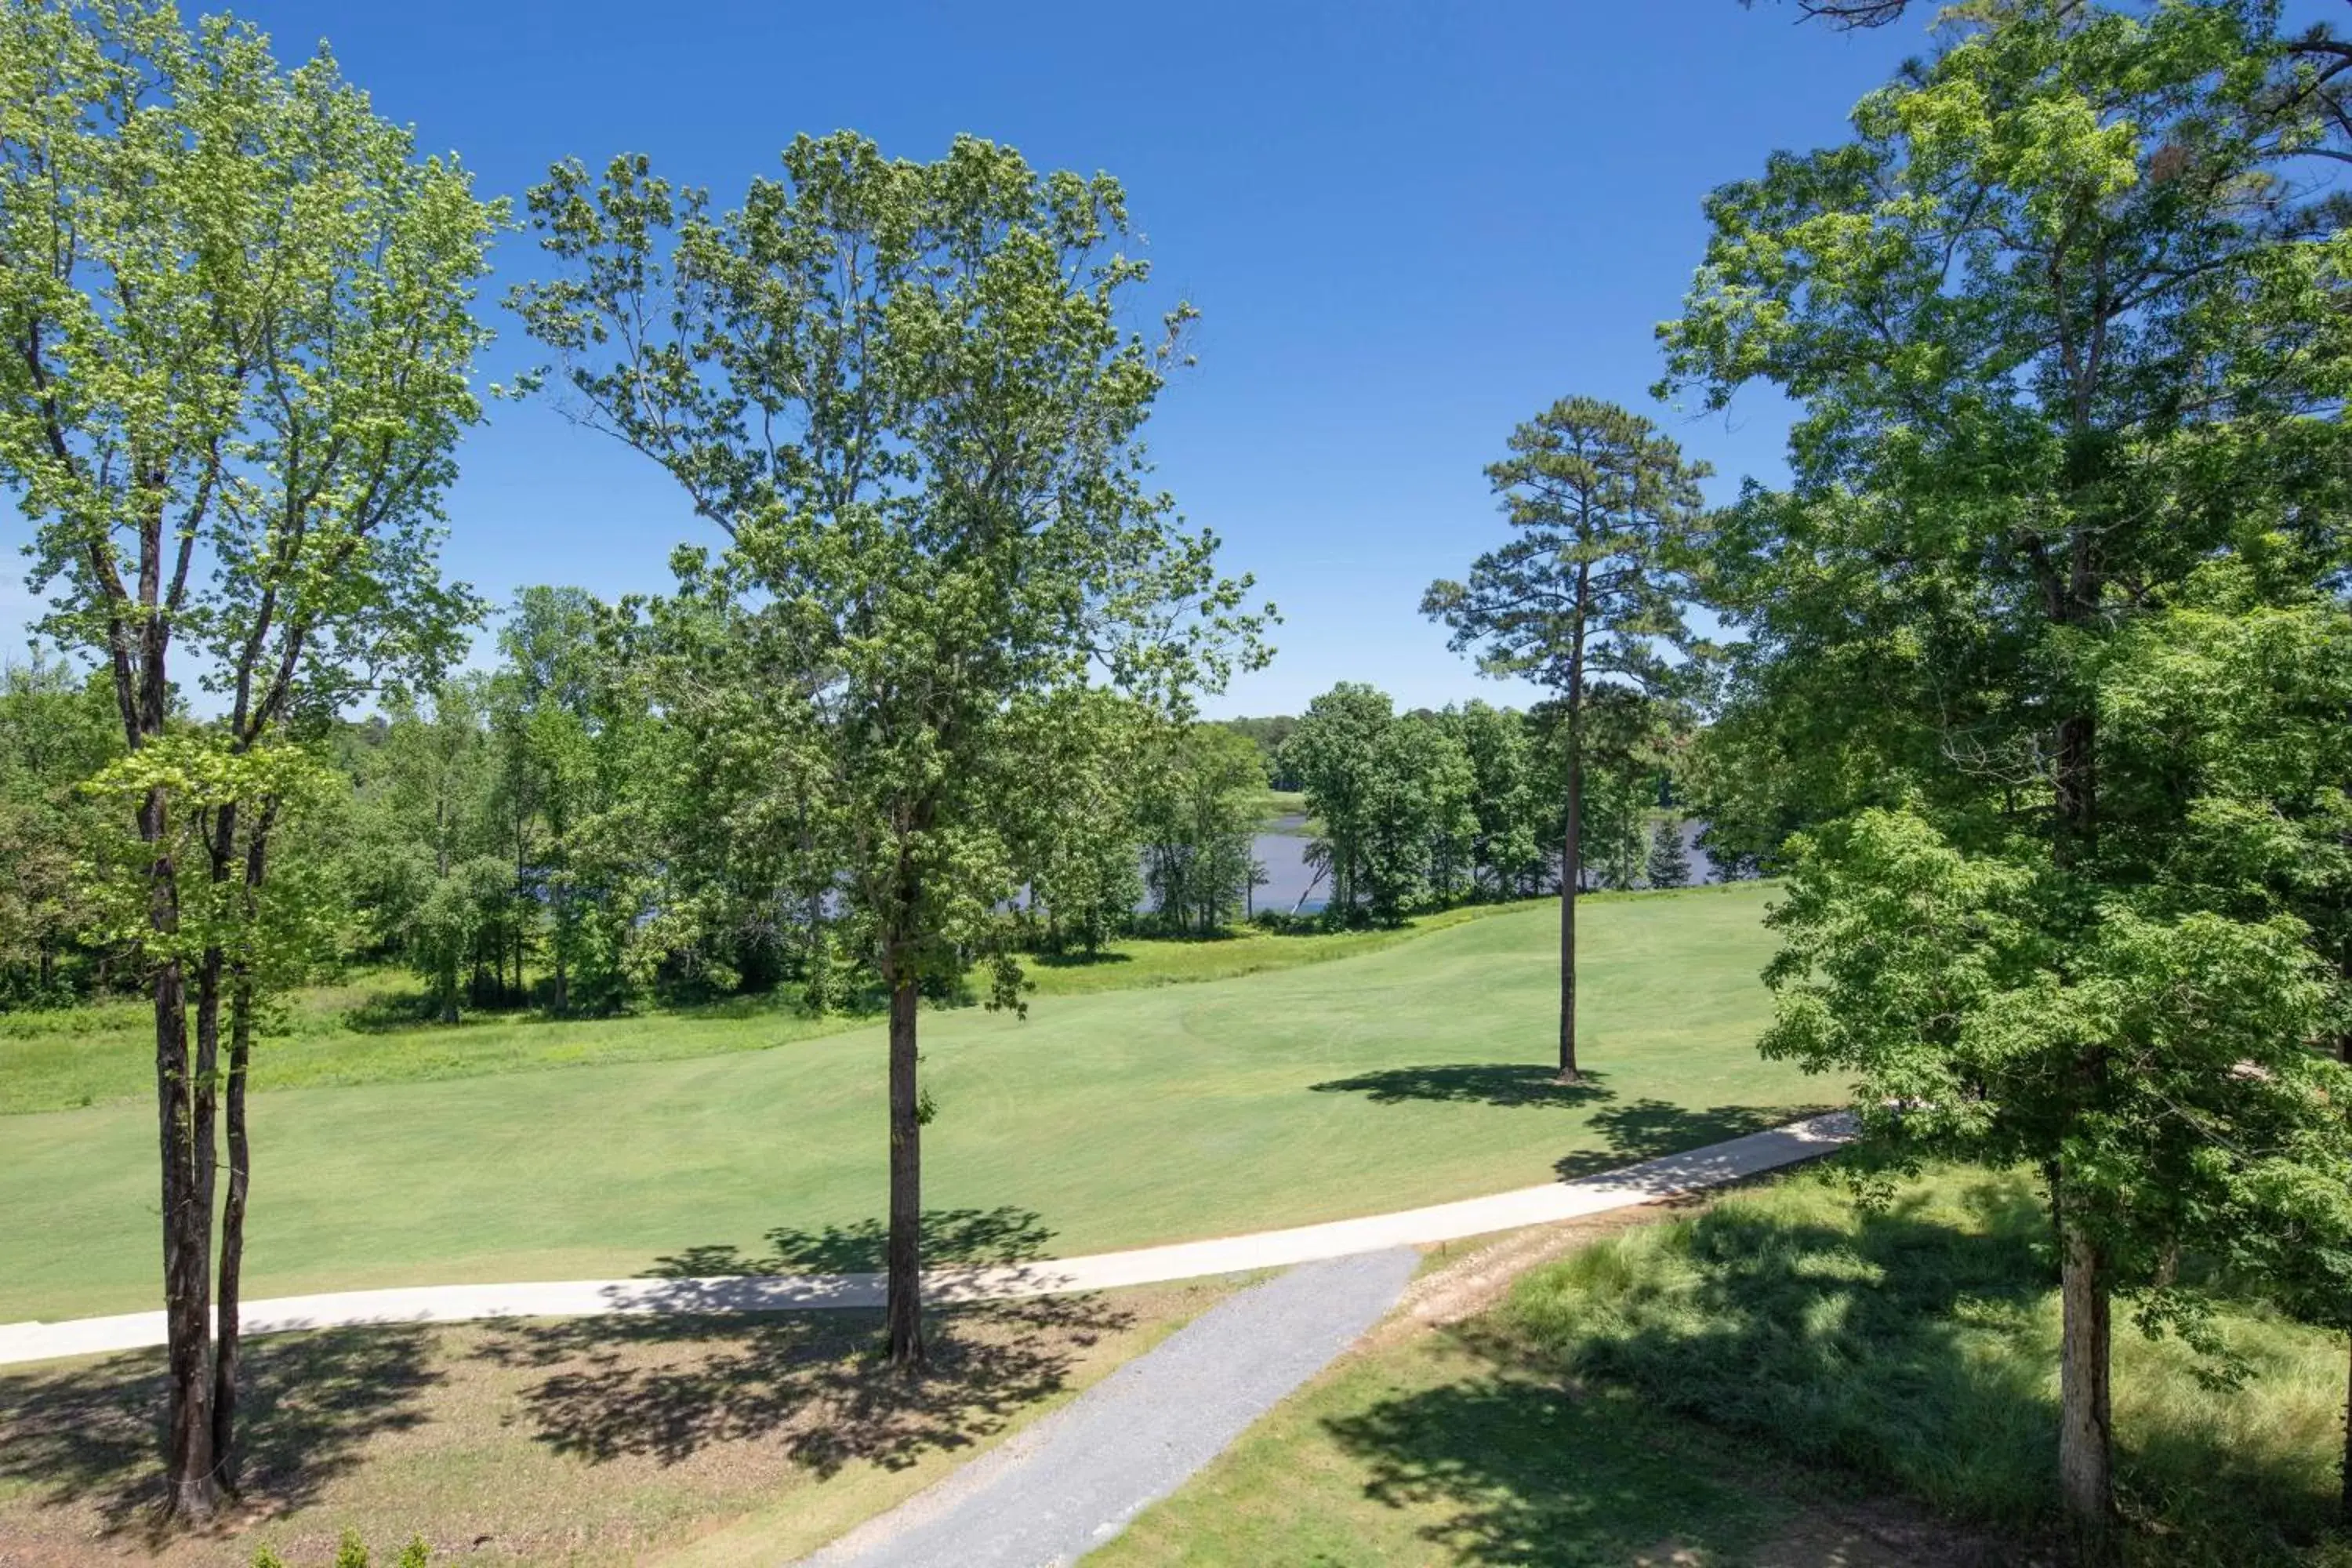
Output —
<point x="1408" y="224"/>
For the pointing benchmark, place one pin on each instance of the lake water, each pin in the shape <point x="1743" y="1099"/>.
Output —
<point x="1292" y="884"/>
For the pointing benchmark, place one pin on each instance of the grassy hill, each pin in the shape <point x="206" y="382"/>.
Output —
<point x="1411" y="1073"/>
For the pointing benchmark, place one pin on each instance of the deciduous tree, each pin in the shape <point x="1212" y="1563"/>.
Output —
<point x="2066" y="333"/>
<point x="905" y="395"/>
<point x="237" y="312"/>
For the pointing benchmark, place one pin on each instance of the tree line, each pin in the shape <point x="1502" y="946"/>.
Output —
<point x="539" y="833"/>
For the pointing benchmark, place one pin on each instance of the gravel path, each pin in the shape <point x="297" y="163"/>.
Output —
<point x="1554" y="1201"/>
<point x="1066" y="1485"/>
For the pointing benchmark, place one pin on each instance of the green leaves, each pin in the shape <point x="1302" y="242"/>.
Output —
<point x="1605" y="509"/>
<point x="2044" y="646"/>
<point x="903" y="392"/>
<point x="244" y="307"/>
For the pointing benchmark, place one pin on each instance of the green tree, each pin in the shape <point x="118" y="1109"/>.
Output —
<point x="432" y="861"/>
<point x="238" y="307"/>
<point x="1419" y="817"/>
<point x="903" y="393"/>
<point x="1506" y="798"/>
<point x="1669" y="864"/>
<point x="2067" y="341"/>
<point x="1269" y="734"/>
<point x="56" y="730"/>
<point x="548" y="720"/>
<point x="1584" y="593"/>
<point x="1197" y="810"/>
<point x="1331" y="751"/>
<point x="1076" y="846"/>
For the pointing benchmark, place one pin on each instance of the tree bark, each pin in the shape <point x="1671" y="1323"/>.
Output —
<point x="192" y="1489"/>
<point x="1571" y="870"/>
<point x="1571" y="849"/>
<point x="227" y="1335"/>
<point x="903" y="1314"/>
<point x="2344" y="1499"/>
<point x="2086" y="1428"/>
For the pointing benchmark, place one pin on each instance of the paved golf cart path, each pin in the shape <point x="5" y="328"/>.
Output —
<point x="1056" y="1492"/>
<point x="1645" y="1183"/>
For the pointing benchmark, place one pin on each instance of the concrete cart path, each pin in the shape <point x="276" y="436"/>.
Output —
<point x="1066" y="1485"/>
<point x="1645" y="1183"/>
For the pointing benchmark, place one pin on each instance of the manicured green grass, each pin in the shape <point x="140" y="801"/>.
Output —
<point x="1415" y="1073"/>
<point x="1720" y="1382"/>
<point x="368" y="1029"/>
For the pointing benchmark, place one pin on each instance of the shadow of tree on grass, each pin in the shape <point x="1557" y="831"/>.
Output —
<point x="1650" y="1129"/>
<point x="1520" y="1471"/>
<point x="90" y="1435"/>
<point x="667" y="1388"/>
<point x="1004" y="1235"/>
<point x="1854" y="1347"/>
<point x="670" y="1386"/>
<point x="1473" y="1083"/>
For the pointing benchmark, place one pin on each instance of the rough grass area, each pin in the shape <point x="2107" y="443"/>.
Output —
<point x="589" y="1441"/>
<point x="370" y="1027"/>
<point x="1415" y="1074"/>
<point x="1917" y="1347"/>
<point x="1778" y="1380"/>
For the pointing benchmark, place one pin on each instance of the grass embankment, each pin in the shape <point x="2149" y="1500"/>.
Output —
<point x="595" y="1441"/>
<point x="1735" y="1384"/>
<point x="370" y="1028"/>
<point x="1310" y="1092"/>
<point x="1285" y="811"/>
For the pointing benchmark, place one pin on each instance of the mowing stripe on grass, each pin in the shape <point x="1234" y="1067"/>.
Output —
<point x="1645" y="1183"/>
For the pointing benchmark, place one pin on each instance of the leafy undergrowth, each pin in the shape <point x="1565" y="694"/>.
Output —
<point x="1917" y="1346"/>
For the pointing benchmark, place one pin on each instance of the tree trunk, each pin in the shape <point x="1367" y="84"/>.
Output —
<point x="1571" y="869"/>
<point x="903" y="1315"/>
<point x="183" y="1116"/>
<point x="226" y="1336"/>
<point x="1571" y="849"/>
<point x="2085" y="1429"/>
<point x="562" y="974"/>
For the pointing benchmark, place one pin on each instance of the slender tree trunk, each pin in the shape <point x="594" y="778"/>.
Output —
<point x="226" y="1338"/>
<point x="1571" y="849"/>
<point x="1571" y="869"/>
<point x="227" y="1328"/>
<point x="903" y="1314"/>
<point x="2344" y="1499"/>
<point x="2085" y="1429"/>
<point x="192" y="1489"/>
<point x="185" y="1121"/>
<point x="562" y="971"/>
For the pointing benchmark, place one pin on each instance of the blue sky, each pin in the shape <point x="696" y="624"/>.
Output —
<point x="1408" y="224"/>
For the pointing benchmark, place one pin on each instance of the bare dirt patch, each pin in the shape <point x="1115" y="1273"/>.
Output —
<point x="578" y="1441"/>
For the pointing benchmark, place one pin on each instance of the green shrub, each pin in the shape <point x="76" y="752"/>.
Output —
<point x="352" y="1552"/>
